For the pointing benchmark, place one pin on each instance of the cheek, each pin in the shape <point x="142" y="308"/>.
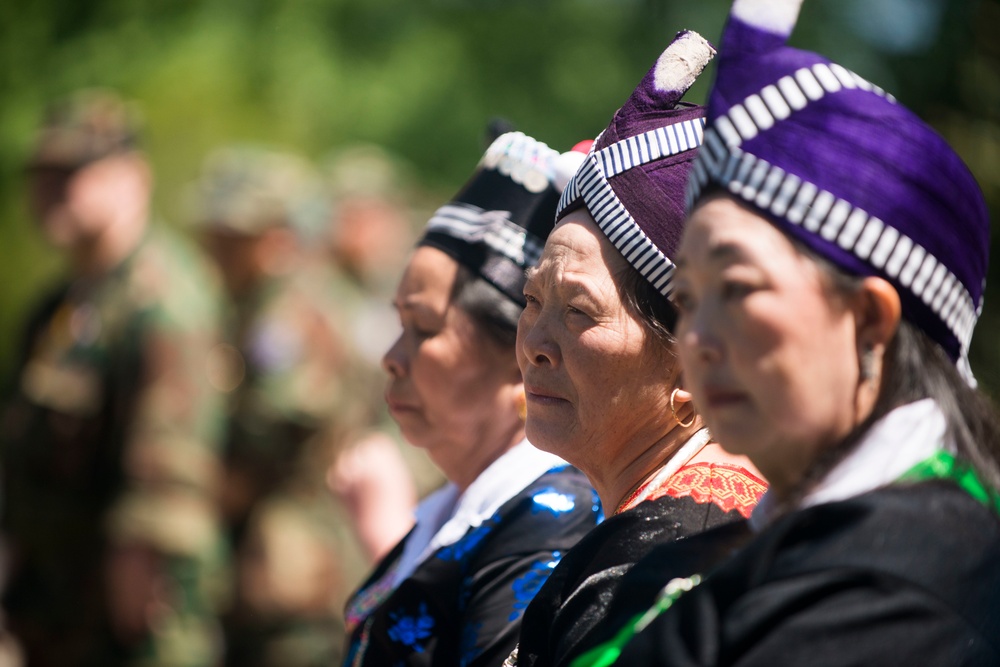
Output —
<point x="523" y="327"/>
<point x="453" y="377"/>
<point x="431" y="366"/>
<point x="802" y="375"/>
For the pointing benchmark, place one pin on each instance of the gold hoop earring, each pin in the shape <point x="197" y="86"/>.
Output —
<point x="673" y="411"/>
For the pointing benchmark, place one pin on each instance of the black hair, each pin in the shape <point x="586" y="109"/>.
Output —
<point x="647" y="304"/>
<point x="493" y="312"/>
<point x="914" y="368"/>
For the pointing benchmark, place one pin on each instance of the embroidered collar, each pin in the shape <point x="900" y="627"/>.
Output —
<point x="687" y="451"/>
<point x="894" y="444"/>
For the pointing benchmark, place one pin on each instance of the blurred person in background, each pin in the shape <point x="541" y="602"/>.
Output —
<point x="453" y="591"/>
<point x="370" y="231"/>
<point x="111" y="426"/>
<point x="371" y="227"/>
<point x="298" y="393"/>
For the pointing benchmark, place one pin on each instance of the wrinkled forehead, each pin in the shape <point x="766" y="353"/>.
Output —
<point x="577" y="245"/>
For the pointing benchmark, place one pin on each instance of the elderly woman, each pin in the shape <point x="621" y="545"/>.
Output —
<point x="453" y="590"/>
<point x="599" y="359"/>
<point x="828" y="282"/>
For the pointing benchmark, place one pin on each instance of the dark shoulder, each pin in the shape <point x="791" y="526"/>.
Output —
<point x="562" y="496"/>
<point x="901" y="575"/>
<point x="625" y="538"/>
<point x="902" y="526"/>
<point x="930" y="535"/>
<point x="43" y="309"/>
<point x="571" y="610"/>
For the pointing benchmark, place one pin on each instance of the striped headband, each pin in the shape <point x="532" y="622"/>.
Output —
<point x="591" y="184"/>
<point x="497" y="224"/>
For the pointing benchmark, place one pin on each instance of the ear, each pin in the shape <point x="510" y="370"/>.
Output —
<point x="878" y="312"/>
<point x="681" y="396"/>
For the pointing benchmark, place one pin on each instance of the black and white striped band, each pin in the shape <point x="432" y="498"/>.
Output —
<point x="800" y="202"/>
<point x="473" y="224"/>
<point x="591" y="183"/>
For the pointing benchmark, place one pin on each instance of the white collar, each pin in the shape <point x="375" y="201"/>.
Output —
<point x="445" y="516"/>
<point x="894" y="444"/>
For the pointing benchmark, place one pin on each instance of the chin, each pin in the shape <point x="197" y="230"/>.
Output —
<point x="414" y="436"/>
<point x="735" y="438"/>
<point x="541" y="436"/>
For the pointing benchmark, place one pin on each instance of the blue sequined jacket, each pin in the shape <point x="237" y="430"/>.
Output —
<point x="462" y="606"/>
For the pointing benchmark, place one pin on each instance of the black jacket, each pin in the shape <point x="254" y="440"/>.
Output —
<point x="906" y="575"/>
<point x="562" y="619"/>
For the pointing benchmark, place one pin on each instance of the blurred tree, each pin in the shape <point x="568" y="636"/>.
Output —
<point x="423" y="78"/>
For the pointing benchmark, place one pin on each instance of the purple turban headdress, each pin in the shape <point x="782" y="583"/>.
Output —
<point x="834" y="162"/>
<point x="632" y="181"/>
<point x="497" y="224"/>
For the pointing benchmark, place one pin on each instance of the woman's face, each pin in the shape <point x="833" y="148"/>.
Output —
<point x="768" y="348"/>
<point x="597" y="383"/>
<point x="451" y="388"/>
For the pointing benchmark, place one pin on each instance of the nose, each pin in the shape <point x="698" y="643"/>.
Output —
<point x="699" y="344"/>
<point x="394" y="361"/>
<point x="534" y="342"/>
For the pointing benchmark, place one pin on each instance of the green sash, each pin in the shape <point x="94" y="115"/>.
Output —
<point x="941" y="465"/>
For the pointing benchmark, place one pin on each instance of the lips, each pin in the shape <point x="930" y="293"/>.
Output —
<point x="542" y="396"/>
<point x="397" y="405"/>
<point x="716" y="397"/>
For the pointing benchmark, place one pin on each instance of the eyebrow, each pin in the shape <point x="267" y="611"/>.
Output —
<point x="721" y="251"/>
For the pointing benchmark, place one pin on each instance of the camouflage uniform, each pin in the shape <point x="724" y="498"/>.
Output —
<point x="297" y="394"/>
<point x="370" y="234"/>
<point x="108" y="437"/>
<point x="109" y="443"/>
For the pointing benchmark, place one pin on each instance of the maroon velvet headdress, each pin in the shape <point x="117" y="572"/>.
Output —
<point x="632" y="181"/>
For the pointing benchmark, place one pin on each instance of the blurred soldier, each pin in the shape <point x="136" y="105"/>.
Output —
<point x="368" y="238"/>
<point x="111" y="429"/>
<point x="297" y="395"/>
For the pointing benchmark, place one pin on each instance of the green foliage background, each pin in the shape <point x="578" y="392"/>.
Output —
<point x="422" y="77"/>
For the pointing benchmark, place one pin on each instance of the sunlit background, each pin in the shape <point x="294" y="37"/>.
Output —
<point x="423" y="77"/>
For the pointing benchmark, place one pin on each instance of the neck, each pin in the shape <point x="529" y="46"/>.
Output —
<point x="637" y="464"/>
<point x="463" y="471"/>
<point x="102" y="253"/>
<point x="791" y="470"/>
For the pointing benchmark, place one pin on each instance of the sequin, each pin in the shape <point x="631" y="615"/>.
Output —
<point x="551" y="500"/>
<point x="526" y="587"/>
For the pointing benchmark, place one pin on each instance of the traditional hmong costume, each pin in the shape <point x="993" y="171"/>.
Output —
<point x="453" y="591"/>
<point x="891" y="559"/>
<point x="632" y="184"/>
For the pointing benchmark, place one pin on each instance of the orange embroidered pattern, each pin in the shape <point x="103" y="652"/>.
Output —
<point x="728" y="486"/>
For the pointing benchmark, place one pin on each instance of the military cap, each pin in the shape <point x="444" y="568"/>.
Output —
<point x="249" y="189"/>
<point x="85" y="126"/>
